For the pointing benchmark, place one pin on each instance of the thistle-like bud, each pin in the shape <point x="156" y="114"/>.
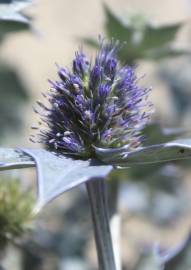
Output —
<point x="97" y="104"/>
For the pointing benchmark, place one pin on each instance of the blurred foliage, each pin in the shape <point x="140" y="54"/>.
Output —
<point x="11" y="16"/>
<point x="15" y="204"/>
<point x="155" y="134"/>
<point x="143" y="39"/>
<point x="13" y="96"/>
<point x="67" y="243"/>
<point x="15" y="209"/>
<point x="178" y="258"/>
<point x="177" y="76"/>
<point x="148" y="261"/>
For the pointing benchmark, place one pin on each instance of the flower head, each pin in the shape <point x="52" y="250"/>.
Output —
<point x="97" y="104"/>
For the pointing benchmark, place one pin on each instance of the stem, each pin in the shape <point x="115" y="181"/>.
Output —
<point x="98" y="202"/>
<point x="115" y="224"/>
<point x="115" y="219"/>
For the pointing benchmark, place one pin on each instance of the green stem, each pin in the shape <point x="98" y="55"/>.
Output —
<point x="98" y="202"/>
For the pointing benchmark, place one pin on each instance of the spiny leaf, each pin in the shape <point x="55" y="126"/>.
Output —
<point x="150" y="36"/>
<point x="11" y="17"/>
<point x="57" y="174"/>
<point x="154" y="134"/>
<point x="157" y="36"/>
<point x="175" y="150"/>
<point x="14" y="159"/>
<point x="115" y="27"/>
<point x="144" y="39"/>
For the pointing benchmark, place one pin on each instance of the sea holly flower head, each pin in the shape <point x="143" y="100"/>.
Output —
<point x="95" y="104"/>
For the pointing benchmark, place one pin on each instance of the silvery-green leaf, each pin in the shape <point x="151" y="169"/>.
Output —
<point x="178" y="258"/>
<point x="110" y="154"/>
<point x="57" y="174"/>
<point x="11" y="16"/>
<point x="14" y="159"/>
<point x="175" y="150"/>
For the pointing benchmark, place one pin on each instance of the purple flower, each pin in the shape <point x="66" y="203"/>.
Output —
<point x="96" y="104"/>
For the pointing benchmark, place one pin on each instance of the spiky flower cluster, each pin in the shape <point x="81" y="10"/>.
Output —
<point x="96" y="104"/>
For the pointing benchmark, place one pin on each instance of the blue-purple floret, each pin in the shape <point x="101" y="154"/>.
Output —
<point x="97" y="104"/>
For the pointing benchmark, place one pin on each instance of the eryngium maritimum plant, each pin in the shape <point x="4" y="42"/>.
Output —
<point x="97" y="104"/>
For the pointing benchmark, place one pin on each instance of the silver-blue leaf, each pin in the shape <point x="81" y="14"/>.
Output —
<point x="57" y="174"/>
<point x="14" y="159"/>
<point x="175" y="150"/>
<point x="11" y="16"/>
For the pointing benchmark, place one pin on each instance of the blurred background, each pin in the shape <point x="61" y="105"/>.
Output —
<point x="153" y="201"/>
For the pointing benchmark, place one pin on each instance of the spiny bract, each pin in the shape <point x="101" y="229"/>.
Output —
<point x="96" y="104"/>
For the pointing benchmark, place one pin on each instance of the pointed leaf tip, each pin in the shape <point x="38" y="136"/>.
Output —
<point x="58" y="174"/>
<point x="14" y="159"/>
